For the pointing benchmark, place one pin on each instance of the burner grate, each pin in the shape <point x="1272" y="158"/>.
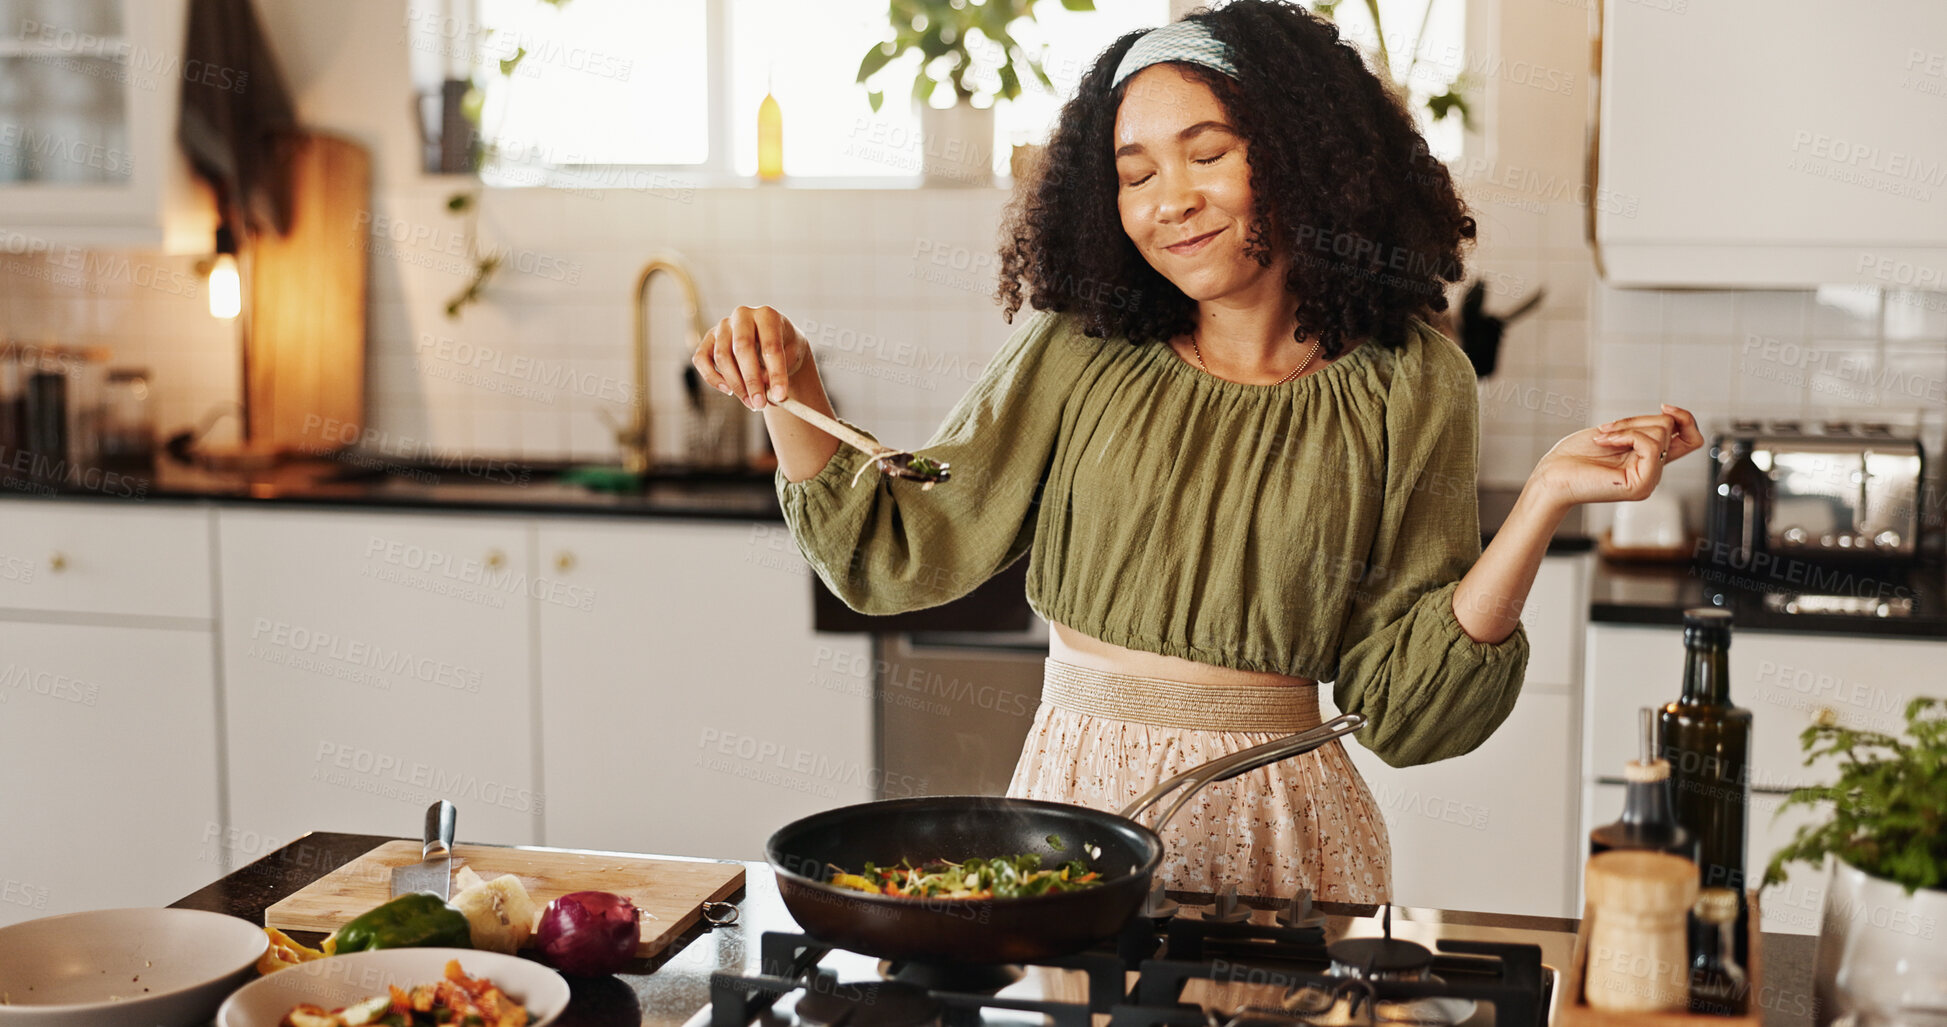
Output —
<point x="1509" y="976"/>
<point x="1506" y="981"/>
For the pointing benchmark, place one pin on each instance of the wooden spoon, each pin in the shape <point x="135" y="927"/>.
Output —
<point x="898" y="463"/>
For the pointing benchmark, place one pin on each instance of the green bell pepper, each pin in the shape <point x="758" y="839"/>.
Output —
<point x="418" y="920"/>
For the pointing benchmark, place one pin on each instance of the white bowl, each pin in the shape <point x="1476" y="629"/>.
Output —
<point x="124" y="967"/>
<point x="342" y="980"/>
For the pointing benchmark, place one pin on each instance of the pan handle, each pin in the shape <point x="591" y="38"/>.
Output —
<point x="1241" y="762"/>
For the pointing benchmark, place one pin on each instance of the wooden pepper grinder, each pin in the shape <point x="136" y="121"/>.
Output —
<point x="1639" y="951"/>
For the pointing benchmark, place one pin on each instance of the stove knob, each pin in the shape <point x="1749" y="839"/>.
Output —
<point x="1227" y="910"/>
<point x="1845" y="542"/>
<point x="1158" y="905"/>
<point x="1795" y="535"/>
<point x="1888" y="539"/>
<point x="1299" y="912"/>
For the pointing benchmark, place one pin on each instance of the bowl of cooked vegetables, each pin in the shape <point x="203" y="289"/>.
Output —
<point x="405" y="987"/>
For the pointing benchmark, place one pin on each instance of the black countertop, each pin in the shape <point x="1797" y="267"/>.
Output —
<point x="669" y="989"/>
<point x="479" y="484"/>
<point x="511" y="486"/>
<point x="1622" y="593"/>
<point x="1496" y="503"/>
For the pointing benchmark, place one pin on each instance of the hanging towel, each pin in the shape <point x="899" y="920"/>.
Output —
<point x="237" y="125"/>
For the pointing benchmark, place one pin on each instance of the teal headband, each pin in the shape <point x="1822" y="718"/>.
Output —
<point x="1177" y="41"/>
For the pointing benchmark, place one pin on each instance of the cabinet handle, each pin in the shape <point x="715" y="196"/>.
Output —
<point x="496" y="559"/>
<point x="57" y="562"/>
<point x="564" y="561"/>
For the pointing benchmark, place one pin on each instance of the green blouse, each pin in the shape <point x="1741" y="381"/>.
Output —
<point x="1317" y="528"/>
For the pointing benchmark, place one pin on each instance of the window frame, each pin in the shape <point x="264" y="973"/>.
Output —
<point x="717" y="170"/>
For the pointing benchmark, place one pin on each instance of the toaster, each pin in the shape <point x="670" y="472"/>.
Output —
<point x="1837" y="490"/>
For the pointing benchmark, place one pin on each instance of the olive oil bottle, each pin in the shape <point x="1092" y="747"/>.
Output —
<point x="1707" y="741"/>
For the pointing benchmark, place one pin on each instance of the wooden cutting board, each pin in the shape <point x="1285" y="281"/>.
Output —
<point x="304" y="340"/>
<point x="674" y="891"/>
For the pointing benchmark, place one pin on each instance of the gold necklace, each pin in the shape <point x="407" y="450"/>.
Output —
<point x="1198" y="350"/>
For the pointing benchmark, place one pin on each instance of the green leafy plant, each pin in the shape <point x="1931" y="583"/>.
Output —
<point x="947" y="29"/>
<point x="939" y="28"/>
<point x="466" y="203"/>
<point x="1889" y="806"/>
<point x="1449" y="101"/>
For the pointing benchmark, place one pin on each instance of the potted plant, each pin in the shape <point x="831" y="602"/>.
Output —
<point x="1883" y="931"/>
<point x="959" y="43"/>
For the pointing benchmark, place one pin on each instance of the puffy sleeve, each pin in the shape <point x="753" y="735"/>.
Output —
<point x="885" y="545"/>
<point x="1428" y="690"/>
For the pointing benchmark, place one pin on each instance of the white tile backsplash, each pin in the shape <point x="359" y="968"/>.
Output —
<point x="1833" y="353"/>
<point x="526" y="371"/>
<point x="1781" y="314"/>
<point x="895" y="288"/>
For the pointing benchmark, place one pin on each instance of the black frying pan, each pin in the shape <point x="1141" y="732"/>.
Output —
<point x="962" y="826"/>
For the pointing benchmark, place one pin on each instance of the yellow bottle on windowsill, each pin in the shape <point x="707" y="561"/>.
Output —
<point x="770" y="140"/>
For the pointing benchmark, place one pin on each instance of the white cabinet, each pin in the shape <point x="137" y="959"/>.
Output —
<point x="1495" y="830"/>
<point x="108" y="707"/>
<point x="690" y="708"/>
<point x="108" y="767"/>
<point x="88" y="157"/>
<point x="1785" y="680"/>
<point x="339" y="670"/>
<point x="1771" y="144"/>
<point x="374" y="664"/>
<point x="102" y="558"/>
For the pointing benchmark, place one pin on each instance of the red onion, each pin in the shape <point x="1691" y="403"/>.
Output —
<point x="589" y="933"/>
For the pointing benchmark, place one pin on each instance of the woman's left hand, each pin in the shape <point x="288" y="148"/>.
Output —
<point x="1619" y="460"/>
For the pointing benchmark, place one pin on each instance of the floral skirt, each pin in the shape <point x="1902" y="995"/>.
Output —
<point x="1101" y="739"/>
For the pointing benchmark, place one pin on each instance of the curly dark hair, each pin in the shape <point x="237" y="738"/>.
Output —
<point x="1340" y="177"/>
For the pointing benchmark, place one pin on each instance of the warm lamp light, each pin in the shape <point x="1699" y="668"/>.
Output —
<point x="225" y="284"/>
<point x="226" y="287"/>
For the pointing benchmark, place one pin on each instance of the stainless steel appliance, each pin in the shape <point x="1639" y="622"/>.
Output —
<point x="1834" y="490"/>
<point x="954" y="708"/>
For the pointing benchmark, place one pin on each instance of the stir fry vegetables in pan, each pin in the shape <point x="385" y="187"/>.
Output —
<point x="1007" y="877"/>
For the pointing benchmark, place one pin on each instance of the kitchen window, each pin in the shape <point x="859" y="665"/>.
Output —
<point x="606" y="89"/>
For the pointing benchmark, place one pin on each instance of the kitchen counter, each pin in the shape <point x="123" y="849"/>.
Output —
<point x="475" y="484"/>
<point x="668" y="990"/>
<point x="1571" y="536"/>
<point x="1622" y="593"/>
<point x="507" y="486"/>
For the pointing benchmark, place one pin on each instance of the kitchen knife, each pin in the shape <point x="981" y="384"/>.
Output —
<point x="434" y="871"/>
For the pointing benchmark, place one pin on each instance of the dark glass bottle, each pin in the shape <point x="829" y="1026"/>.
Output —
<point x="1649" y="819"/>
<point x="1717" y="979"/>
<point x="46" y="425"/>
<point x="13" y="403"/>
<point x="1707" y="741"/>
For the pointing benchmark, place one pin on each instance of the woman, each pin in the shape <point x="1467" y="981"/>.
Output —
<point x="1241" y="459"/>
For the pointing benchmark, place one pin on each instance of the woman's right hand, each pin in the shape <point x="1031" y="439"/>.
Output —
<point x="751" y="353"/>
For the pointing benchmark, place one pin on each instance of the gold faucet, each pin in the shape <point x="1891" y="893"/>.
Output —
<point x="634" y="438"/>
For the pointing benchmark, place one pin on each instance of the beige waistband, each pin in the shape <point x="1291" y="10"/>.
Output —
<point x="1180" y="704"/>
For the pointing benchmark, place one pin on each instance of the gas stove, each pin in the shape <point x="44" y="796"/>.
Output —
<point x="1209" y="961"/>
